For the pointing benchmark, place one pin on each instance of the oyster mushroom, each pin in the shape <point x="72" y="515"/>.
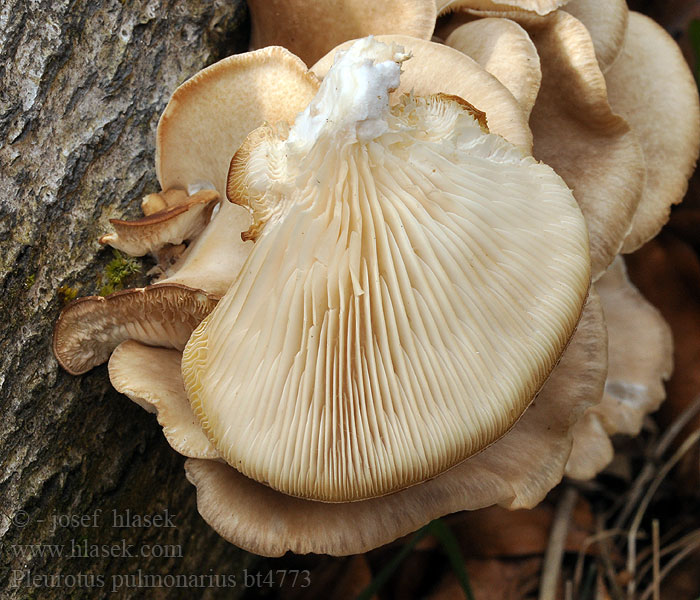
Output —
<point x="164" y="315"/>
<point x="175" y="222"/>
<point x="421" y="309"/>
<point x="521" y="466"/>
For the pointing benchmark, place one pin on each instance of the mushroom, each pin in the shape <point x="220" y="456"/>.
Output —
<point x="539" y="7"/>
<point x="211" y="115"/>
<point x="172" y="224"/>
<point x="515" y="472"/>
<point x="164" y="315"/>
<point x="151" y="377"/>
<point x="422" y="308"/>
<point x="499" y="45"/>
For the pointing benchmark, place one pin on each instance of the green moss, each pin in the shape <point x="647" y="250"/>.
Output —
<point x="67" y="294"/>
<point x="29" y="281"/>
<point x="117" y="273"/>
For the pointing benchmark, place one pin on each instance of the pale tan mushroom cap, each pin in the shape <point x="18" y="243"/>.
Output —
<point x="435" y="68"/>
<point x="311" y="29"/>
<point x="606" y="21"/>
<point x="151" y="378"/>
<point x="205" y="122"/>
<point x="210" y="115"/>
<point x="422" y="308"/>
<point x="652" y="87"/>
<point x="215" y="258"/>
<point x="504" y="49"/>
<point x="171" y="225"/>
<point x="640" y="358"/>
<point x="516" y="472"/>
<point x="577" y="133"/>
<point x="160" y="315"/>
<point x="539" y="7"/>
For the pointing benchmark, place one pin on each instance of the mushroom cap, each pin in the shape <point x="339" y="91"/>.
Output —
<point x="538" y="7"/>
<point x="515" y="472"/>
<point x="640" y="359"/>
<point x="606" y="21"/>
<point x="504" y="49"/>
<point x="151" y="377"/>
<point x="577" y="133"/>
<point x="422" y="308"/>
<point x="651" y="85"/>
<point x="89" y="328"/>
<point x="310" y="29"/>
<point x="171" y="225"/>
<point x="210" y="115"/>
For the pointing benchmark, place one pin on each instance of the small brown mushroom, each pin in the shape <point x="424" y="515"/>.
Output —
<point x="163" y="315"/>
<point x="170" y="225"/>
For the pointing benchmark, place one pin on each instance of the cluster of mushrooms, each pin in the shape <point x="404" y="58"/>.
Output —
<point x="390" y="285"/>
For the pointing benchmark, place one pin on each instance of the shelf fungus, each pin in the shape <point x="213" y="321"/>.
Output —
<point x="391" y="316"/>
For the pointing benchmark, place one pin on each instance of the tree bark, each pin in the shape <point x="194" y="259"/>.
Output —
<point x="83" y="85"/>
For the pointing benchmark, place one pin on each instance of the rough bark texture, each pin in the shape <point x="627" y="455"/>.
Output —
<point x="82" y="84"/>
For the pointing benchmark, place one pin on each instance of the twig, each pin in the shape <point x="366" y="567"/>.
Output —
<point x="605" y="558"/>
<point x="690" y="538"/>
<point x="655" y="545"/>
<point x="669" y="566"/>
<point x="634" y="528"/>
<point x="587" y="543"/>
<point x="644" y="557"/>
<point x="555" y="548"/>
<point x="659" y="450"/>
<point x="638" y="487"/>
<point x="569" y="590"/>
<point x="676" y="427"/>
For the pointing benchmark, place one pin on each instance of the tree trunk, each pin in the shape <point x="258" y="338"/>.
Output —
<point x="83" y="85"/>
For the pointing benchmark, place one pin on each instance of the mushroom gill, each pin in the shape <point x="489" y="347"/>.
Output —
<point x="437" y="275"/>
